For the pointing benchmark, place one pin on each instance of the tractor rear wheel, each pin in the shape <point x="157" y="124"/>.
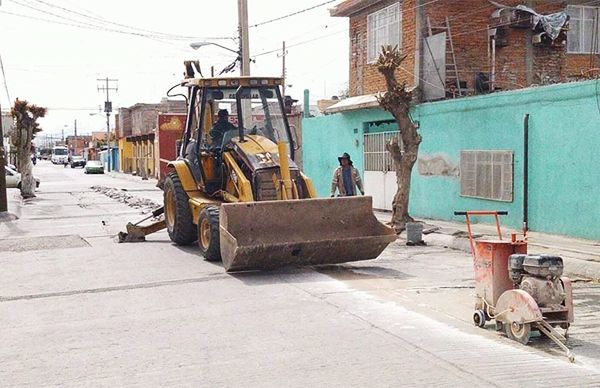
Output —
<point x="208" y="233"/>
<point x="178" y="216"/>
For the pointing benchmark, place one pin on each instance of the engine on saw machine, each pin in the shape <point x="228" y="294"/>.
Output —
<point x="539" y="276"/>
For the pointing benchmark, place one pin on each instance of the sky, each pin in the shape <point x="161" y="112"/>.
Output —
<point x="54" y="52"/>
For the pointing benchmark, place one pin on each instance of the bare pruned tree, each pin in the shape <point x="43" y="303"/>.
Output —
<point x="398" y="101"/>
<point x="26" y="127"/>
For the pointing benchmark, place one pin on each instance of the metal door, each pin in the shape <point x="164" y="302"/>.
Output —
<point x="380" y="177"/>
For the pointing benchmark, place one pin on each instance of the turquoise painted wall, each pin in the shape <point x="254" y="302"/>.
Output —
<point x="327" y="137"/>
<point x="564" y="165"/>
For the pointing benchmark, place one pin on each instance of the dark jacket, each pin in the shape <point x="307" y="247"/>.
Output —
<point x="218" y="130"/>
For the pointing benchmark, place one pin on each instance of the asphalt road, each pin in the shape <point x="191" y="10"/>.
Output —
<point x="78" y="309"/>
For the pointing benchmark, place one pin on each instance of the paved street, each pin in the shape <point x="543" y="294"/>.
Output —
<point x="78" y="309"/>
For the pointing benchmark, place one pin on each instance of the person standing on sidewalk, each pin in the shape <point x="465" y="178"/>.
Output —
<point x="346" y="179"/>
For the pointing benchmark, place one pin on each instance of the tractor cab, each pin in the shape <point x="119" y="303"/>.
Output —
<point x="225" y="113"/>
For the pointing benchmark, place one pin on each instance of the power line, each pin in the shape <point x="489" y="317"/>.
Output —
<point x="107" y="21"/>
<point x="4" y="79"/>
<point x="345" y="30"/>
<point x="293" y="13"/>
<point x="91" y="26"/>
<point x="300" y="43"/>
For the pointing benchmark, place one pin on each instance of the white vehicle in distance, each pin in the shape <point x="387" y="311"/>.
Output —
<point x="13" y="179"/>
<point x="60" y="155"/>
<point x="94" y="167"/>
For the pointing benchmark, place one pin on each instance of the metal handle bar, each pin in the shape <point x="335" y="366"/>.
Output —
<point x="482" y="213"/>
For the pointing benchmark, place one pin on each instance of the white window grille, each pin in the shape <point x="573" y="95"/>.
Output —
<point x="376" y="155"/>
<point x="384" y="27"/>
<point x="582" y="37"/>
<point x="487" y="175"/>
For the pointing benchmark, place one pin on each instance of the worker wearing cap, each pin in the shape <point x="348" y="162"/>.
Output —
<point x="346" y="179"/>
<point x="220" y="127"/>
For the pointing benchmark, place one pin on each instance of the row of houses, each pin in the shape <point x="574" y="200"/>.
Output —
<point x="148" y="135"/>
<point x="506" y="99"/>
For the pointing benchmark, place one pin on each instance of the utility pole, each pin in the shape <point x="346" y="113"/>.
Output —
<point x="244" y="38"/>
<point x="283" y="68"/>
<point x="75" y="134"/>
<point x="108" y="109"/>
<point x="3" y="197"/>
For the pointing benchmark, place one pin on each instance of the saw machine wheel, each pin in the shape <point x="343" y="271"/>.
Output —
<point x="479" y="318"/>
<point x="519" y="332"/>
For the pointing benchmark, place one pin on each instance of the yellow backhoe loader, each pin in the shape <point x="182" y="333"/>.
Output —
<point x="236" y="190"/>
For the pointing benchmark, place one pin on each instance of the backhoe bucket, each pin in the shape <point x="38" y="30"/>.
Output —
<point x="271" y="234"/>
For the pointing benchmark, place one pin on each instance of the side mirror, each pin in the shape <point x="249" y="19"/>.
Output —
<point x="294" y="132"/>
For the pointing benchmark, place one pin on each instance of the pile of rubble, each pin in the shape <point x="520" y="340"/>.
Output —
<point x="121" y="195"/>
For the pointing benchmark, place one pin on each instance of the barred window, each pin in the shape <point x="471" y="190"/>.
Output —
<point x="376" y="155"/>
<point x="383" y="28"/>
<point x="487" y="174"/>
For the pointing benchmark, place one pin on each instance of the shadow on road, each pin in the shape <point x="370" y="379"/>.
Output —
<point x="302" y="274"/>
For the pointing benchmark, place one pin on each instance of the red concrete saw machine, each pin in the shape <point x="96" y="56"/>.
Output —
<point x="521" y="292"/>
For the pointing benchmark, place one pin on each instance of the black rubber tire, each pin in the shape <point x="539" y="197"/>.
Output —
<point x="182" y="230"/>
<point x="479" y="318"/>
<point x="518" y="332"/>
<point x="19" y="186"/>
<point x="212" y="250"/>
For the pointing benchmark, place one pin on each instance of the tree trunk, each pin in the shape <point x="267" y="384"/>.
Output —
<point x="398" y="100"/>
<point x="27" y="179"/>
<point x="25" y="164"/>
<point x="403" y="165"/>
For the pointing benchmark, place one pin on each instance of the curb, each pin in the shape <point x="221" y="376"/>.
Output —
<point x="574" y="267"/>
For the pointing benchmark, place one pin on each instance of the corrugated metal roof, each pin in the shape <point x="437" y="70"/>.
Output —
<point x="354" y="103"/>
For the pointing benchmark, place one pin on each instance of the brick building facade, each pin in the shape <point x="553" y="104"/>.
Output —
<point x="77" y="144"/>
<point x="519" y="58"/>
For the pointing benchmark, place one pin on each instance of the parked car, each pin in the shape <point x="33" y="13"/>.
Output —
<point x="77" y="161"/>
<point x="94" y="167"/>
<point x="13" y="179"/>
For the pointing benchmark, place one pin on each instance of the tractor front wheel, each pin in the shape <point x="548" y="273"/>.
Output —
<point x="208" y="233"/>
<point x="178" y="216"/>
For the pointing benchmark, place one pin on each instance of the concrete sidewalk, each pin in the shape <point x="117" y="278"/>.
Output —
<point x="581" y="257"/>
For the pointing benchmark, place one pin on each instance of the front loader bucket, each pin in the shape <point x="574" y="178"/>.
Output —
<point x="271" y="234"/>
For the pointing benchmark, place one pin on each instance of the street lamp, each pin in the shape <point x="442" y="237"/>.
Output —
<point x="227" y="69"/>
<point x="197" y="45"/>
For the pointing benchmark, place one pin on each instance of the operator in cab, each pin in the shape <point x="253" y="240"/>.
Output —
<point x="220" y="128"/>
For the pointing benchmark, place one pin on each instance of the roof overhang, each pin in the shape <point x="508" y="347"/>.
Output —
<point x="354" y="103"/>
<point x="351" y="7"/>
<point x="365" y="101"/>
